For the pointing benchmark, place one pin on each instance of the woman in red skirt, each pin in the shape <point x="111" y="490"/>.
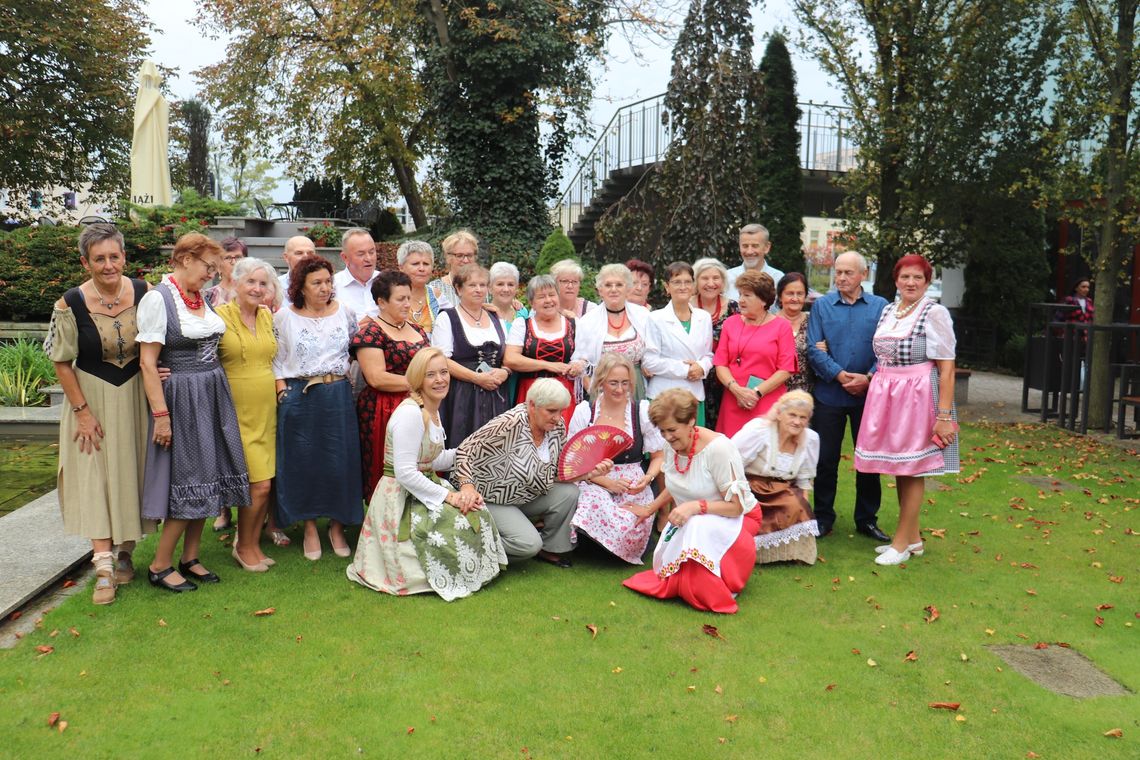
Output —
<point x="705" y="554"/>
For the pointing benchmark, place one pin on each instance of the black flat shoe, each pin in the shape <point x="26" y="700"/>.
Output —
<point x="158" y="580"/>
<point x="206" y="577"/>
<point x="559" y="562"/>
<point x="871" y="530"/>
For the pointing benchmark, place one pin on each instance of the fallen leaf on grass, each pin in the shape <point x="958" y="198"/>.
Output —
<point x="1115" y="733"/>
<point x="45" y="649"/>
<point x="690" y="688"/>
<point x="1116" y="578"/>
<point x="1099" y="621"/>
<point x="721" y="740"/>
<point x="61" y="726"/>
<point x="1032" y="755"/>
<point x="910" y="657"/>
<point x="1103" y="607"/>
<point x="830" y="687"/>
<point x="53" y="719"/>
<point x="73" y="632"/>
<point x="1031" y="592"/>
<point x="53" y="634"/>
<point x="1028" y="566"/>
<point x="411" y="729"/>
<point x="945" y="705"/>
<point x="934" y="614"/>
<point x="616" y="670"/>
<point x="990" y="631"/>
<point x="161" y="623"/>
<point x="960" y="718"/>
<point x="718" y="689"/>
<point x="938" y="532"/>
<point x="711" y="630"/>
<point x="1063" y="644"/>
<point x="855" y="651"/>
<point x="1040" y="645"/>
<point x="265" y="612"/>
<point x="593" y="629"/>
<point x="964" y="657"/>
<point x="731" y="718"/>
<point x="68" y="583"/>
<point x="871" y="663"/>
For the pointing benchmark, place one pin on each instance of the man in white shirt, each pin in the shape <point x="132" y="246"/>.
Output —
<point x="754" y="247"/>
<point x="295" y="247"/>
<point x="354" y="283"/>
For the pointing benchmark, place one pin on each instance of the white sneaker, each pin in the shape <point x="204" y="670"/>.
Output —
<point x="892" y="556"/>
<point x="914" y="549"/>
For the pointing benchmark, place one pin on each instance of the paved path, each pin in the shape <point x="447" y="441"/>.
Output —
<point x="35" y="552"/>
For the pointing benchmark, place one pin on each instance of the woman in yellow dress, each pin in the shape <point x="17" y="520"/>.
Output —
<point x="247" y="349"/>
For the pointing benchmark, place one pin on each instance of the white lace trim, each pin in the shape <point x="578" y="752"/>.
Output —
<point x="788" y="535"/>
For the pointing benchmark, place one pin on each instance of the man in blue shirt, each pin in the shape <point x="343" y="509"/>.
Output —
<point x="845" y="320"/>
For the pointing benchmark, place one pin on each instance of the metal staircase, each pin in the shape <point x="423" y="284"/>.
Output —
<point x="635" y="140"/>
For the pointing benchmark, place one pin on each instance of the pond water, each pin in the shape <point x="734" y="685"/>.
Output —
<point x="27" y="470"/>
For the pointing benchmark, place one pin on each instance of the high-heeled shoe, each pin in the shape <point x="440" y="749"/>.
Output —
<point x="915" y="550"/>
<point x="206" y="577"/>
<point x="340" y="551"/>
<point x="269" y="562"/>
<point x="256" y="567"/>
<point x="892" y="556"/>
<point x="312" y="556"/>
<point x="158" y="580"/>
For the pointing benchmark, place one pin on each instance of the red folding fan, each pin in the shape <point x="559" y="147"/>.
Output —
<point x="588" y="447"/>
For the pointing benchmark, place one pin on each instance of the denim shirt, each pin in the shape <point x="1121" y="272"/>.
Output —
<point x="848" y="329"/>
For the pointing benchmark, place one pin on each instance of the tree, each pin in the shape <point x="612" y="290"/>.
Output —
<point x="67" y="74"/>
<point x="1097" y="134"/>
<point x="241" y="179"/>
<point x="694" y="203"/>
<point x="501" y="71"/>
<point x="196" y="117"/>
<point x="946" y="84"/>
<point x="326" y="87"/>
<point x="776" y="151"/>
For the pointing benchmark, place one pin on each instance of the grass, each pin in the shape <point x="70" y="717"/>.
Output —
<point x="340" y="671"/>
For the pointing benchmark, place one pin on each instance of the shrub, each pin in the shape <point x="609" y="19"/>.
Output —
<point x="37" y="264"/>
<point x="387" y="225"/>
<point x="556" y="248"/>
<point x="191" y="207"/>
<point x="24" y="371"/>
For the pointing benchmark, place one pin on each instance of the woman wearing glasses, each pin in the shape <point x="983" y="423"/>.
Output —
<point x="459" y="249"/>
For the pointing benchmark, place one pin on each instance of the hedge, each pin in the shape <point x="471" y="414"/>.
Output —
<point x="37" y="264"/>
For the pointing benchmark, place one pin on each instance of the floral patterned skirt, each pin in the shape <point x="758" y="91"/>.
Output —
<point x="603" y="515"/>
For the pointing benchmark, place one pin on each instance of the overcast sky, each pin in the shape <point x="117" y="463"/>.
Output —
<point x="624" y="79"/>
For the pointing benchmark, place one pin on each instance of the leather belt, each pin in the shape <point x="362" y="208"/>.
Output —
<point x="321" y="380"/>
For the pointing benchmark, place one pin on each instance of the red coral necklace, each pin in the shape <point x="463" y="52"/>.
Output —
<point x="193" y="304"/>
<point x="692" y="450"/>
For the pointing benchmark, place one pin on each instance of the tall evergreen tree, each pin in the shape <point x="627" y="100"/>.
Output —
<point x="776" y="151"/>
<point x="695" y="202"/>
<point x="196" y="120"/>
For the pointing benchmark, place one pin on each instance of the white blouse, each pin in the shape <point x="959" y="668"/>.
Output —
<point x="667" y="346"/>
<point x="407" y="427"/>
<point x="651" y="439"/>
<point x="151" y="317"/>
<point x="312" y="346"/>
<point x="759" y="445"/>
<point x="443" y="339"/>
<point x="717" y="472"/>
<point x="592" y="331"/>
<point x="517" y="335"/>
<point x="940" y="340"/>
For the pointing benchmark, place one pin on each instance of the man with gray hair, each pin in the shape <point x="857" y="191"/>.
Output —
<point x="841" y="327"/>
<point x="512" y="463"/>
<point x="295" y="247"/>
<point x="354" y="283"/>
<point x="754" y="247"/>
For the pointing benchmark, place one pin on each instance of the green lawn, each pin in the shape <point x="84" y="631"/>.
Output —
<point x="513" y="672"/>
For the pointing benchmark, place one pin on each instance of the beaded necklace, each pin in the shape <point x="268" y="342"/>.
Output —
<point x="692" y="450"/>
<point x="191" y="304"/>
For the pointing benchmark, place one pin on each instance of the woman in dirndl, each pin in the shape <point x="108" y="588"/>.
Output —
<point x="420" y="535"/>
<point x="780" y="454"/>
<point x="604" y="503"/>
<point x="619" y="326"/>
<point x="706" y="554"/>
<point x="192" y="469"/>
<point x="910" y="427"/>
<point x="541" y="345"/>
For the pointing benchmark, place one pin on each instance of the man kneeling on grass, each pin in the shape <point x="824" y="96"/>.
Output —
<point x="512" y="461"/>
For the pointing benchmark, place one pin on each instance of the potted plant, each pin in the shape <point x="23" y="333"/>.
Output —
<point x="323" y="235"/>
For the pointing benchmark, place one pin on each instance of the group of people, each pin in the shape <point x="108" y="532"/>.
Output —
<point x="432" y="412"/>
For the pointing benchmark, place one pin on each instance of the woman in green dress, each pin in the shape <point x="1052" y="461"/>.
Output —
<point x="420" y="535"/>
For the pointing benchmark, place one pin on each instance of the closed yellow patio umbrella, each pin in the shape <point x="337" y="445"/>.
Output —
<point x="150" y="165"/>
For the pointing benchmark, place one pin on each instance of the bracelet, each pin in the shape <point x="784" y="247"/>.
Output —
<point x="704" y="506"/>
<point x="945" y="411"/>
<point x="163" y="413"/>
<point x="80" y="408"/>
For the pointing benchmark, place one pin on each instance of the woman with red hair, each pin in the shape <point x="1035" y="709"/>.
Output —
<point x="909" y="426"/>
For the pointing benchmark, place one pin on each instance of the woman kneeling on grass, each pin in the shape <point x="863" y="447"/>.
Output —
<point x="419" y="535"/>
<point x="705" y="554"/>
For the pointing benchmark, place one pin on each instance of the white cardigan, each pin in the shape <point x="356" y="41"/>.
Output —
<point x="590" y="331"/>
<point x="668" y="346"/>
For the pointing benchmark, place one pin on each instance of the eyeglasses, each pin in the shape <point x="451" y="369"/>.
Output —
<point x="462" y="256"/>
<point x="615" y="384"/>
<point x="232" y="259"/>
<point x="681" y="283"/>
<point x="569" y="282"/>
<point x="211" y="269"/>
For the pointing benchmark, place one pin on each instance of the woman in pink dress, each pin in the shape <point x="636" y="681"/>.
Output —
<point x="755" y="356"/>
<point x="604" y="502"/>
<point x="910" y="427"/>
<point x="706" y="553"/>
